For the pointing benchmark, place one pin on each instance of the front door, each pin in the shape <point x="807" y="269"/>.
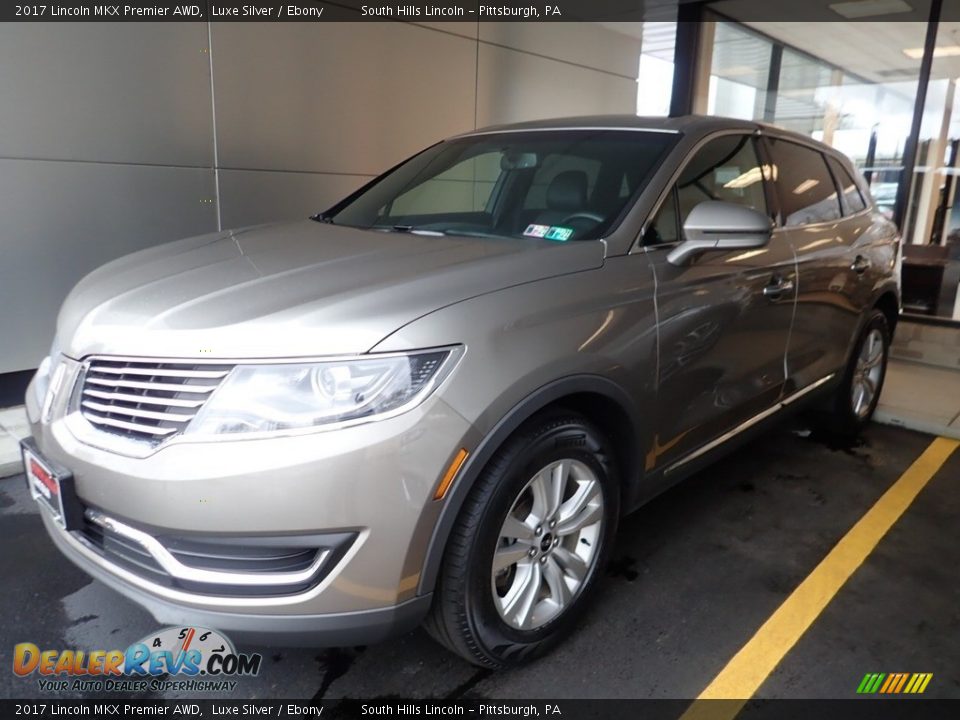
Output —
<point x="724" y="319"/>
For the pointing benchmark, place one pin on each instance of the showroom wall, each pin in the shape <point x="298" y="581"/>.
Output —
<point x="118" y="137"/>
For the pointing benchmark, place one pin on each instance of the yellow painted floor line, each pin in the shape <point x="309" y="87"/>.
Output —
<point x="748" y="669"/>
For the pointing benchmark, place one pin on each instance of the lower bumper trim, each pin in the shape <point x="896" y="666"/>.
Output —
<point x="292" y="630"/>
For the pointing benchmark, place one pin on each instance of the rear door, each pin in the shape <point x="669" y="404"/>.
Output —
<point x="724" y="318"/>
<point x="828" y="302"/>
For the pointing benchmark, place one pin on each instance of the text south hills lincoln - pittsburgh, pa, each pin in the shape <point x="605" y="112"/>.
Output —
<point x="490" y="11"/>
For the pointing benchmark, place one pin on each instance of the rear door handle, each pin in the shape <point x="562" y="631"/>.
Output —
<point x="860" y="265"/>
<point x="777" y="287"/>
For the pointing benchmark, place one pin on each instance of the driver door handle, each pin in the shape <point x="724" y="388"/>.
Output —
<point x="860" y="265"/>
<point x="777" y="287"/>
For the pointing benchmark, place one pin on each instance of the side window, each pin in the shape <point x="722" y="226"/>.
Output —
<point x="464" y="188"/>
<point x="850" y="198"/>
<point x="665" y="227"/>
<point x="726" y="169"/>
<point x="804" y="185"/>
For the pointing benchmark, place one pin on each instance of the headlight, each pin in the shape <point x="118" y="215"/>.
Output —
<point x="289" y="397"/>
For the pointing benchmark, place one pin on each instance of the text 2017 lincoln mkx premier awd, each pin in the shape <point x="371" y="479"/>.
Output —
<point x="434" y="401"/>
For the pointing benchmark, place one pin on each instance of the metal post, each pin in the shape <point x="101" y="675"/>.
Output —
<point x="773" y="83"/>
<point x="913" y="141"/>
<point x="689" y="19"/>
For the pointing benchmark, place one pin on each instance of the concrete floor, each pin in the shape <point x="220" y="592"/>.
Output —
<point x="694" y="574"/>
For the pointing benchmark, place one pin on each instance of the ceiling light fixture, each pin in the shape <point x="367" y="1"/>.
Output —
<point x="938" y="52"/>
<point x="868" y="8"/>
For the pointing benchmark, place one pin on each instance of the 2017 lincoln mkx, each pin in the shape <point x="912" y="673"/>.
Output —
<point x="434" y="401"/>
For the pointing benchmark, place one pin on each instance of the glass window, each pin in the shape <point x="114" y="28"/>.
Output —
<point x="552" y="166"/>
<point x="559" y="185"/>
<point x="850" y="198"/>
<point x="726" y="169"/>
<point x="739" y="73"/>
<point x="665" y="227"/>
<point x="465" y="187"/>
<point x="655" y="74"/>
<point x="804" y="185"/>
<point x="827" y="80"/>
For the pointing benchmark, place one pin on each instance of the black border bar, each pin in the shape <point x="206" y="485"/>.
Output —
<point x="866" y="708"/>
<point x="434" y="11"/>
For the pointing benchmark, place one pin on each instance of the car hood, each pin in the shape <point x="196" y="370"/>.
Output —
<point x="293" y="289"/>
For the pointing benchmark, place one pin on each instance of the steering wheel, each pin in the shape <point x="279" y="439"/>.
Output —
<point x="583" y="215"/>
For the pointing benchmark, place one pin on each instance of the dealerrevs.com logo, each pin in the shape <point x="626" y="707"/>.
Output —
<point x="199" y="658"/>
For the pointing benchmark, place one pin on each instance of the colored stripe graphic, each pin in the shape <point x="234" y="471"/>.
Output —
<point x="890" y="679"/>
<point x="894" y="683"/>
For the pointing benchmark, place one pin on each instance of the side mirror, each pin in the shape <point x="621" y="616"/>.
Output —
<point x="716" y="225"/>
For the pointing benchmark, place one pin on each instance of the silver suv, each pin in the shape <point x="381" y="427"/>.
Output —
<point x="434" y="400"/>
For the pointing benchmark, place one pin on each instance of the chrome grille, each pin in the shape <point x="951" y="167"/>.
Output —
<point x="148" y="401"/>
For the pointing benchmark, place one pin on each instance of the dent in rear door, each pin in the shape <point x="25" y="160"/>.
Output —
<point x="828" y="298"/>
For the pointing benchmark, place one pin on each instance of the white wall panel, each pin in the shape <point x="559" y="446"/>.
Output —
<point x="588" y="44"/>
<point x="136" y="93"/>
<point x="63" y="219"/>
<point x="344" y="98"/>
<point x="254" y="197"/>
<point x="514" y="86"/>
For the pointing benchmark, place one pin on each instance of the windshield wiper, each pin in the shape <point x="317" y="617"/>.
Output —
<point x="324" y="217"/>
<point x="408" y="229"/>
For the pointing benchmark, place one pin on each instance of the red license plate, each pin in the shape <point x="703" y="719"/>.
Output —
<point x="52" y="490"/>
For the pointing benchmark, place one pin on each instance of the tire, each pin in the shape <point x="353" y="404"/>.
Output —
<point x="500" y="618"/>
<point x="857" y="397"/>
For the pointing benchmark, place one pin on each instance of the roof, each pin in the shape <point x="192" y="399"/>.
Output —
<point x="696" y="125"/>
<point x="684" y="123"/>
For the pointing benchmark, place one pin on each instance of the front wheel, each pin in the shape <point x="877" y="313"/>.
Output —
<point x="529" y="543"/>
<point x="858" y="395"/>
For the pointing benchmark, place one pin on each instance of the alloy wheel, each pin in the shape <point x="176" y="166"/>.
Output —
<point x="867" y="373"/>
<point x="548" y="544"/>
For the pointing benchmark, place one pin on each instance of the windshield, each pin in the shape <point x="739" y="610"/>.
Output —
<point x="556" y="185"/>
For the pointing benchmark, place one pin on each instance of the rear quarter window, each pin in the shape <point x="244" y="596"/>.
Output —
<point x="850" y="198"/>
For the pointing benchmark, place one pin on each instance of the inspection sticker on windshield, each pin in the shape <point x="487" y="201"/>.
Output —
<point x="549" y="232"/>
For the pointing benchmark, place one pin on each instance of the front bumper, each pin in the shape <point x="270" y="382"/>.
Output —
<point x="279" y="630"/>
<point x="372" y="483"/>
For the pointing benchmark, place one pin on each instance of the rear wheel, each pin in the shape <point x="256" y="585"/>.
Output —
<point x="529" y="544"/>
<point x="858" y="395"/>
